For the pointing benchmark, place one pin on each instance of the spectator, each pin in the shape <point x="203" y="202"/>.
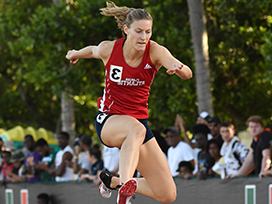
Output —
<point x="111" y="159"/>
<point x="43" y="198"/>
<point x="48" y="159"/>
<point x="180" y="125"/>
<point x="203" y="118"/>
<point x="214" y="125"/>
<point x="94" y="158"/>
<point x="258" y="157"/>
<point x="31" y="159"/>
<point x="185" y="170"/>
<point x="205" y="161"/>
<point x="178" y="151"/>
<point x="218" y="168"/>
<point x="7" y="165"/>
<point x="17" y="159"/>
<point x="81" y="164"/>
<point x="60" y="169"/>
<point x="233" y="151"/>
<point x="9" y="146"/>
<point x="269" y="171"/>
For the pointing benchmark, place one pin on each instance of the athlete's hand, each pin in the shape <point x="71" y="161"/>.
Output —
<point x="174" y="68"/>
<point x="70" y="56"/>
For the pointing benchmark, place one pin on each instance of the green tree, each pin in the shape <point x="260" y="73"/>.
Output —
<point x="240" y="81"/>
<point x="201" y="55"/>
<point x="35" y="36"/>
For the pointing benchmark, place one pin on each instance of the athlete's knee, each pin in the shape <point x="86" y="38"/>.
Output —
<point x="170" y="197"/>
<point x="167" y="196"/>
<point x="138" y="131"/>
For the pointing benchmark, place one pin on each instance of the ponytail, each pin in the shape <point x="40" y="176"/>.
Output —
<point x="125" y="15"/>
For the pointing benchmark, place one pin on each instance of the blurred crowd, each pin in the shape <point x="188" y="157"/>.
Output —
<point x="214" y="150"/>
<point x="37" y="161"/>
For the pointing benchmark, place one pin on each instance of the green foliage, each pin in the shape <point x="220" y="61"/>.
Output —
<point x="171" y="95"/>
<point x="35" y="36"/>
<point x="240" y="80"/>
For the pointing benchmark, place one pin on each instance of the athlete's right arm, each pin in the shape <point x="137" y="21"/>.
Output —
<point x="102" y="51"/>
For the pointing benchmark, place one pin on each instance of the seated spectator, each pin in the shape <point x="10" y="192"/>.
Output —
<point x="258" y="157"/>
<point x="111" y="159"/>
<point x="205" y="161"/>
<point x="31" y="159"/>
<point x="94" y="158"/>
<point x="43" y="198"/>
<point x="218" y="168"/>
<point x="178" y="151"/>
<point x="60" y="169"/>
<point x="7" y="165"/>
<point x="233" y="151"/>
<point x="185" y="170"/>
<point x="81" y="164"/>
<point x="48" y="159"/>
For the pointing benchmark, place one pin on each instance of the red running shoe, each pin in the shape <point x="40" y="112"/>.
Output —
<point x="127" y="190"/>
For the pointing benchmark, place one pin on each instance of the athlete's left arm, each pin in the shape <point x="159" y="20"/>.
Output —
<point x="162" y="57"/>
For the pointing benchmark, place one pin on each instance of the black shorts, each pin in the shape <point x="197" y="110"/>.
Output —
<point x="101" y="118"/>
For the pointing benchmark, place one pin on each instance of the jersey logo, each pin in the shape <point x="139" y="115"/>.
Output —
<point x="116" y="73"/>
<point x="147" y="66"/>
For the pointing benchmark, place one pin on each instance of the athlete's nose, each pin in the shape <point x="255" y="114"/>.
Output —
<point x="143" y="35"/>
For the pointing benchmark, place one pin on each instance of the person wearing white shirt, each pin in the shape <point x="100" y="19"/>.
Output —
<point x="178" y="151"/>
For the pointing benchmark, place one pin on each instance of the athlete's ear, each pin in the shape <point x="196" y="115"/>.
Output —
<point x="125" y="28"/>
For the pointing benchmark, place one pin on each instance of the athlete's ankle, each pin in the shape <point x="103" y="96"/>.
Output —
<point x="115" y="182"/>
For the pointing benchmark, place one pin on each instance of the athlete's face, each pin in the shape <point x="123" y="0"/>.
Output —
<point x="139" y="33"/>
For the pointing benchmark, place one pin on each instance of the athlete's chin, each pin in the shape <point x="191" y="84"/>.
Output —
<point x="140" y="47"/>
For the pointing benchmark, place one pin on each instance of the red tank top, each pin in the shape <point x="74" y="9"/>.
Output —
<point x="127" y="88"/>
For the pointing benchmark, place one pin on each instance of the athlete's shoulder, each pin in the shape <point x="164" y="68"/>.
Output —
<point x="156" y="48"/>
<point x="105" y="48"/>
<point x="154" y="44"/>
<point x="157" y="52"/>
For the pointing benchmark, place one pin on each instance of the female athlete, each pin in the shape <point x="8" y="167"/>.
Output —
<point x="131" y="64"/>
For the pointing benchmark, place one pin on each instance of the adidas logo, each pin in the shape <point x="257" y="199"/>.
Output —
<point x="147" y="66"/>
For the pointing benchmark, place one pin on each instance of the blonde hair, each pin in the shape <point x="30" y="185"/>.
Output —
<point x="125" y="15"/>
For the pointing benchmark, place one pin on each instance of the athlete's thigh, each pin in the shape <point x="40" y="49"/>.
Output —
<point x="154" y="168"/>
<point x="117" y="128"/>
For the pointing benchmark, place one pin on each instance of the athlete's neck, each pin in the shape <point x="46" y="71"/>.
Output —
<point x="132" y="57"/>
